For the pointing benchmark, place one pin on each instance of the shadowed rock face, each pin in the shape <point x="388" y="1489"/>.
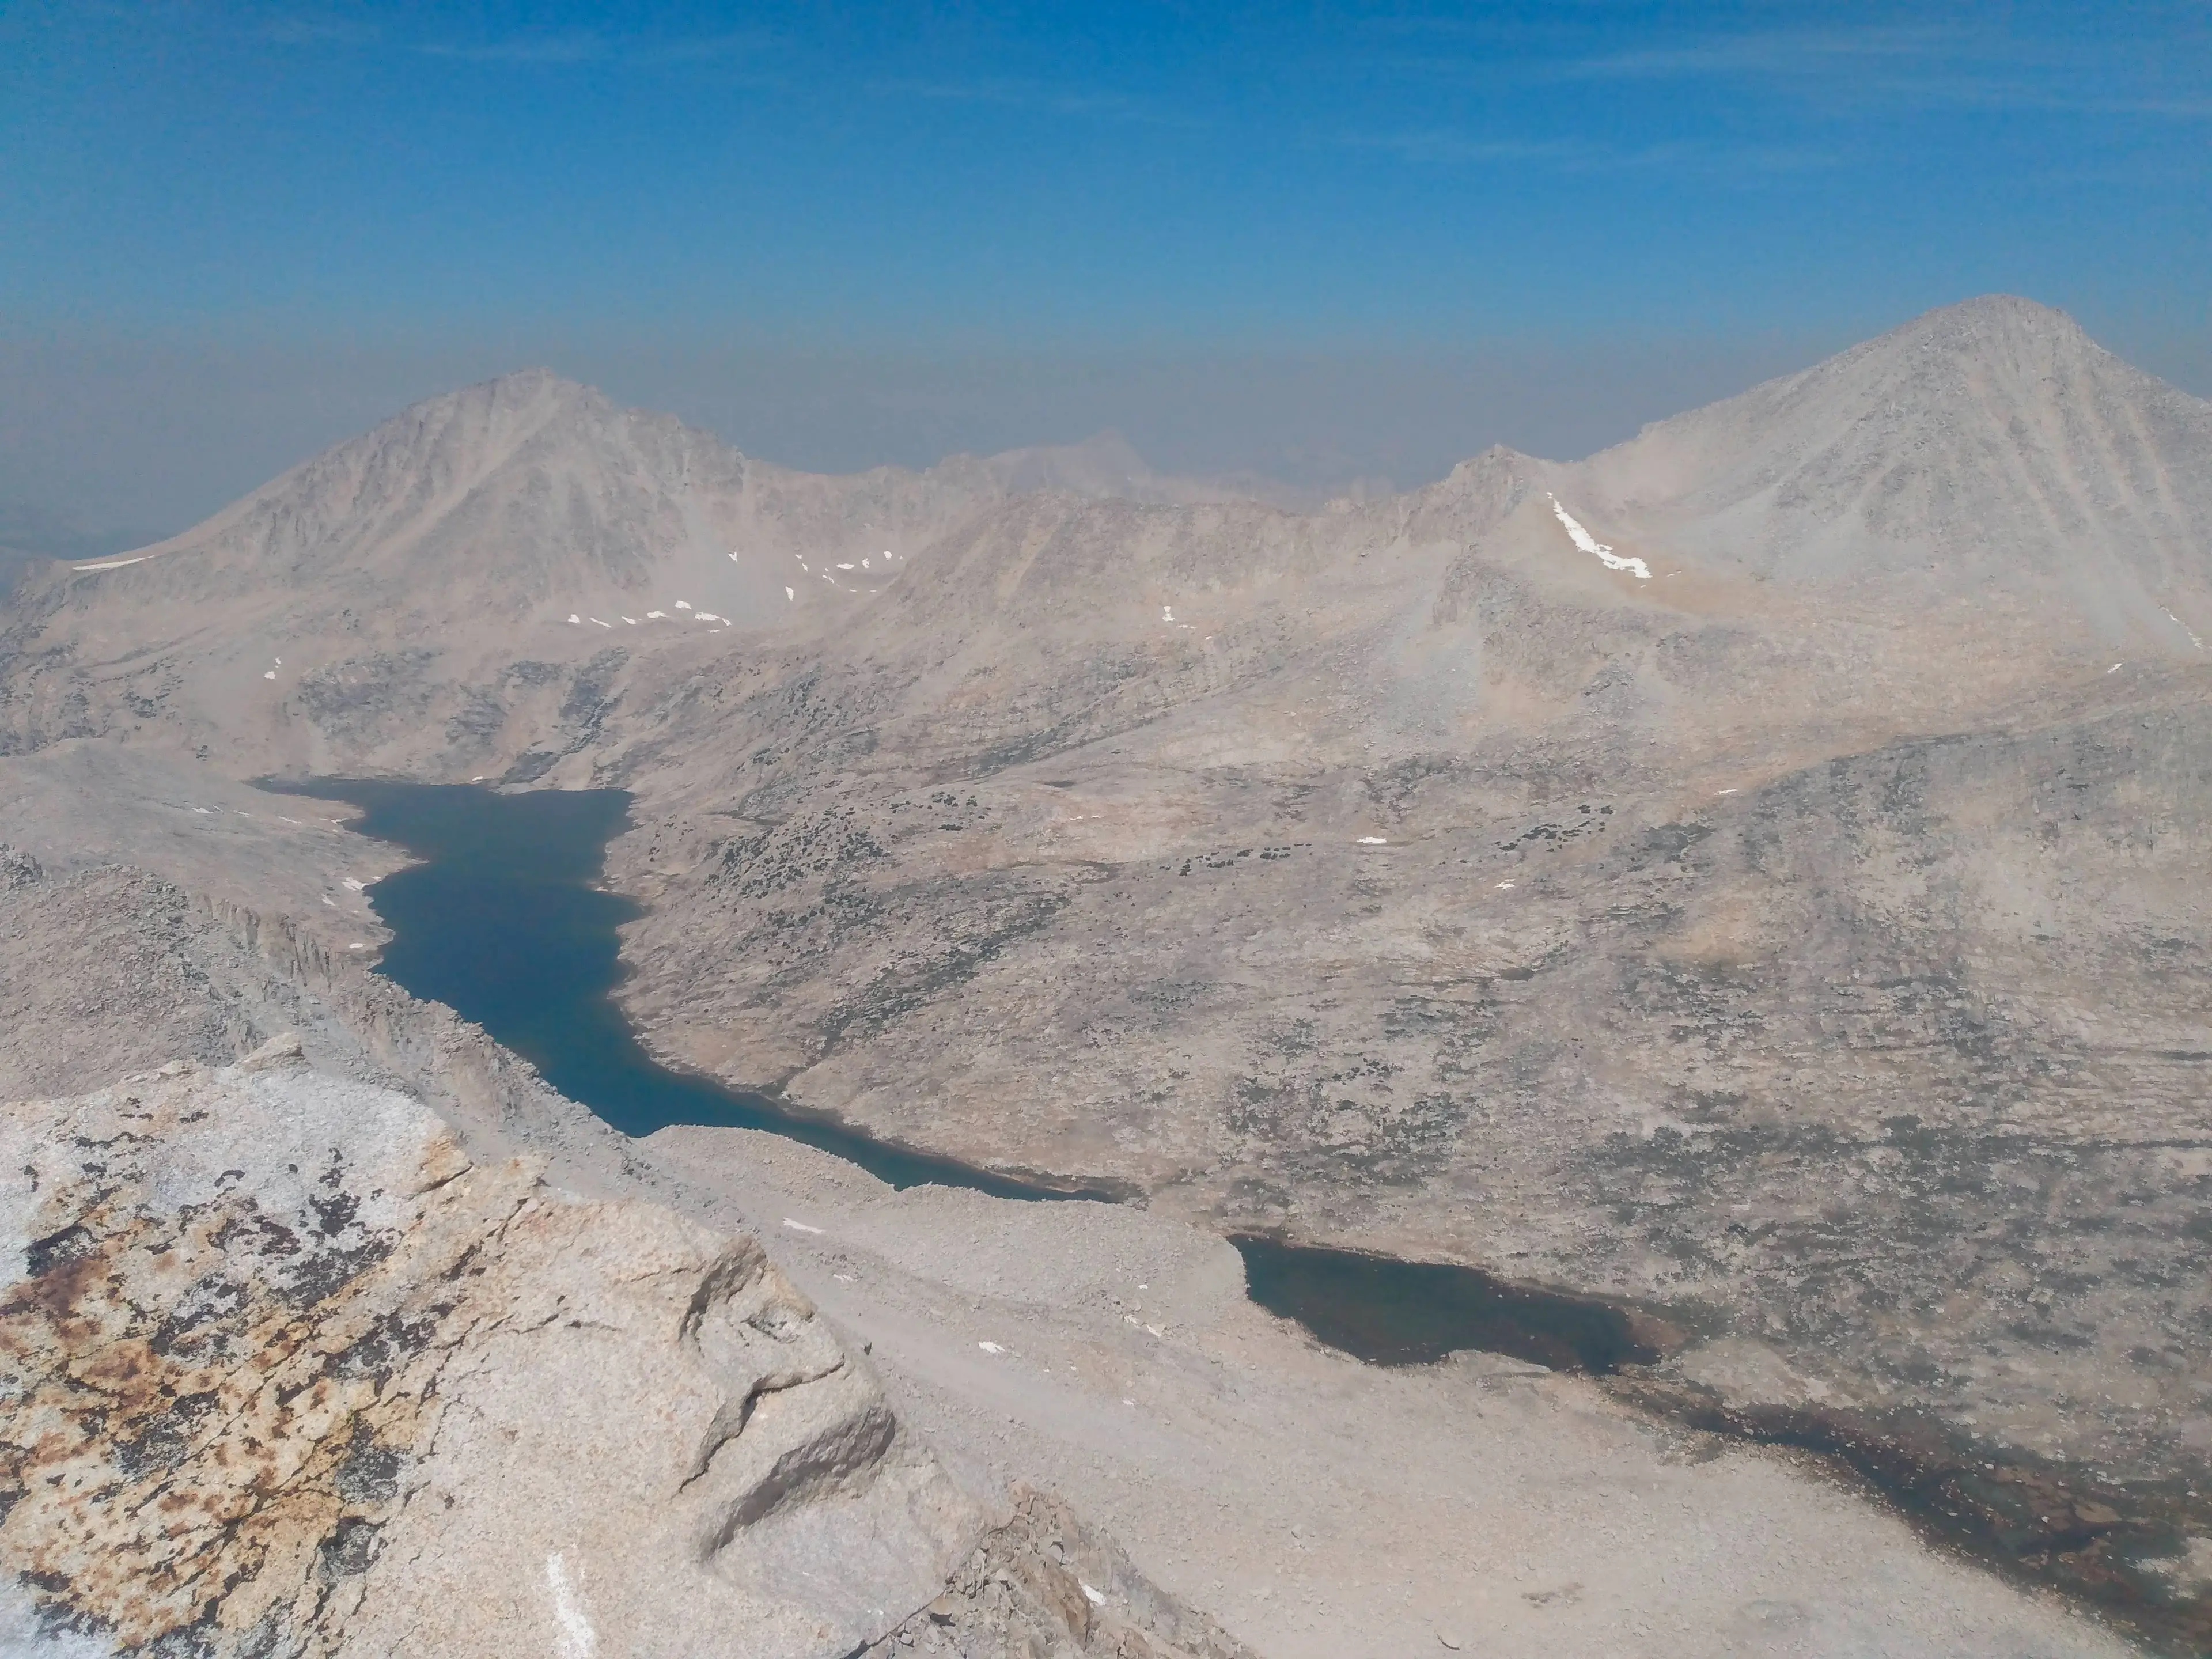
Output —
<point x="293" y="1377"/>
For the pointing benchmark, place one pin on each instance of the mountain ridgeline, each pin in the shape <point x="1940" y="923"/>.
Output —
<point x="1742" y="873"/>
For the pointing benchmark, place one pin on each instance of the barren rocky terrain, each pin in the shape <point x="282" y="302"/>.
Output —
<point x="1755" y="875"/>
<point x="1266" y="1495"/>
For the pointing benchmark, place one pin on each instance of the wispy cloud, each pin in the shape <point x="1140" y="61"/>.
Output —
<point x="1787" y="53"/>
<point x="300" y="30"/>
<point x="1037" y="97"/>
<point x="1447" y="147"/>
<point x="548" y="50"/>
<point x="1444" y="144"/>
<point x="1930" y="66"/>
<point x="578" y="47"/>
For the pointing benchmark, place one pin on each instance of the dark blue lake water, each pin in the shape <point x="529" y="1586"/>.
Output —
<point x="503" y="921"/>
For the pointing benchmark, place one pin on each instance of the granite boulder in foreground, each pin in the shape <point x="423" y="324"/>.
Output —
<point x="287" y="1374"/>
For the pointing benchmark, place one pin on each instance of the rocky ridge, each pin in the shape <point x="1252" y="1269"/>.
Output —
<point x="293" y="1376"/>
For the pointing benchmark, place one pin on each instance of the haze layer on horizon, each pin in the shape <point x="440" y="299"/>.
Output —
<point x="1351" y="244"/>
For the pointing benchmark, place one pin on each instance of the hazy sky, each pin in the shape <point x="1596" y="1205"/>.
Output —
<point x="1320" y="240"/>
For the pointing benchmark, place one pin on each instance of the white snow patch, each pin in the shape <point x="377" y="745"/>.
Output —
<point x="632" y="621"/>
<point x="1589" y="544"/>
<point x="651" y="615"/>
<point x="356" y="945"/>
<point x="791" y="593"/>
<point x="1167" y="613"/>
<point x="1503" y="886"/>
<point x="575" y="621"/>
<point x="111" y="564"/>
<point x="683" y="605"/>
<point x="844" y="567"/>
<point x="357" y="886"/>
<point x="1373" y="840"/>
<point x="1724" y="792"/>
<point x="577" y="1639"/>
<point x="597" y="623"/>
<point x="733" y="555"/>
<point x="799" y="1226"/>
<point x="202" y="810"/>
<point x="1090" y="1595"/>
<point x="990" y="1347"/>
<point x="328" y="900"/>
<point x="2184" y="627"/>
<point x="2116" y="668"/>
<point x="864" y="564"/>
<point x="269" y="674"/>
<point x="708" y="616"/>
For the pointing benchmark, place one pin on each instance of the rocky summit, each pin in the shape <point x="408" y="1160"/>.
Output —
<point x="291" y="1375"/>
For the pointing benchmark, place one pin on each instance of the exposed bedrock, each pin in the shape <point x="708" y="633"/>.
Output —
<point x="294" y="1376"/>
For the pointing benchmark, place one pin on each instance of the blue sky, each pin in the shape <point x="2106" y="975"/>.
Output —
<point x="419" y="183"/>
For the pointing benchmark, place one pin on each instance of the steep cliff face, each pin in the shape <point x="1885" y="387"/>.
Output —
<point x="294" y="1376"/>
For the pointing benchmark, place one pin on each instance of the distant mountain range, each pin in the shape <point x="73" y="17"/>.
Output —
<point x="1759" y="870"/>
<point x="1988" y="454"/>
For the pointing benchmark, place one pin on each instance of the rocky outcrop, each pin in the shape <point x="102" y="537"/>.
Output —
<point x="1045" y="1586"/>
<point x="291" y="1375"/>
<point x="18" y="868"/>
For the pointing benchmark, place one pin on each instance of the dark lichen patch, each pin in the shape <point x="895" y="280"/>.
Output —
<point x="159" y="1399"/>
<point x="349" y="1550"/>
<point x="160" y="1440"/>
<point x="370" y="1474"/>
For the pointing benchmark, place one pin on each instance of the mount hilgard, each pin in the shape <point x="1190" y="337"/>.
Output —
<point x="1989" y="450"/>
<point x="1786" y="934"/>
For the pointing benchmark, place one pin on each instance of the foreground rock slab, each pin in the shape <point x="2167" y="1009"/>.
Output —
<point x="289" y="1376"/>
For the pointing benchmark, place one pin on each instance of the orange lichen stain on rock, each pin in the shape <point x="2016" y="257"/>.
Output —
<point x="172" y="1451"/>
<point x="118" y="1366"/>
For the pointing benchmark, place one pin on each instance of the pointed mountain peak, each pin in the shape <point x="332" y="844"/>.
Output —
<point x="1988" y="444"/>
<point x="520" y="389"/>
<point x="2000" y="331"/>
<point x="1990" y="321"/>
<point x="1992" y="314"/>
